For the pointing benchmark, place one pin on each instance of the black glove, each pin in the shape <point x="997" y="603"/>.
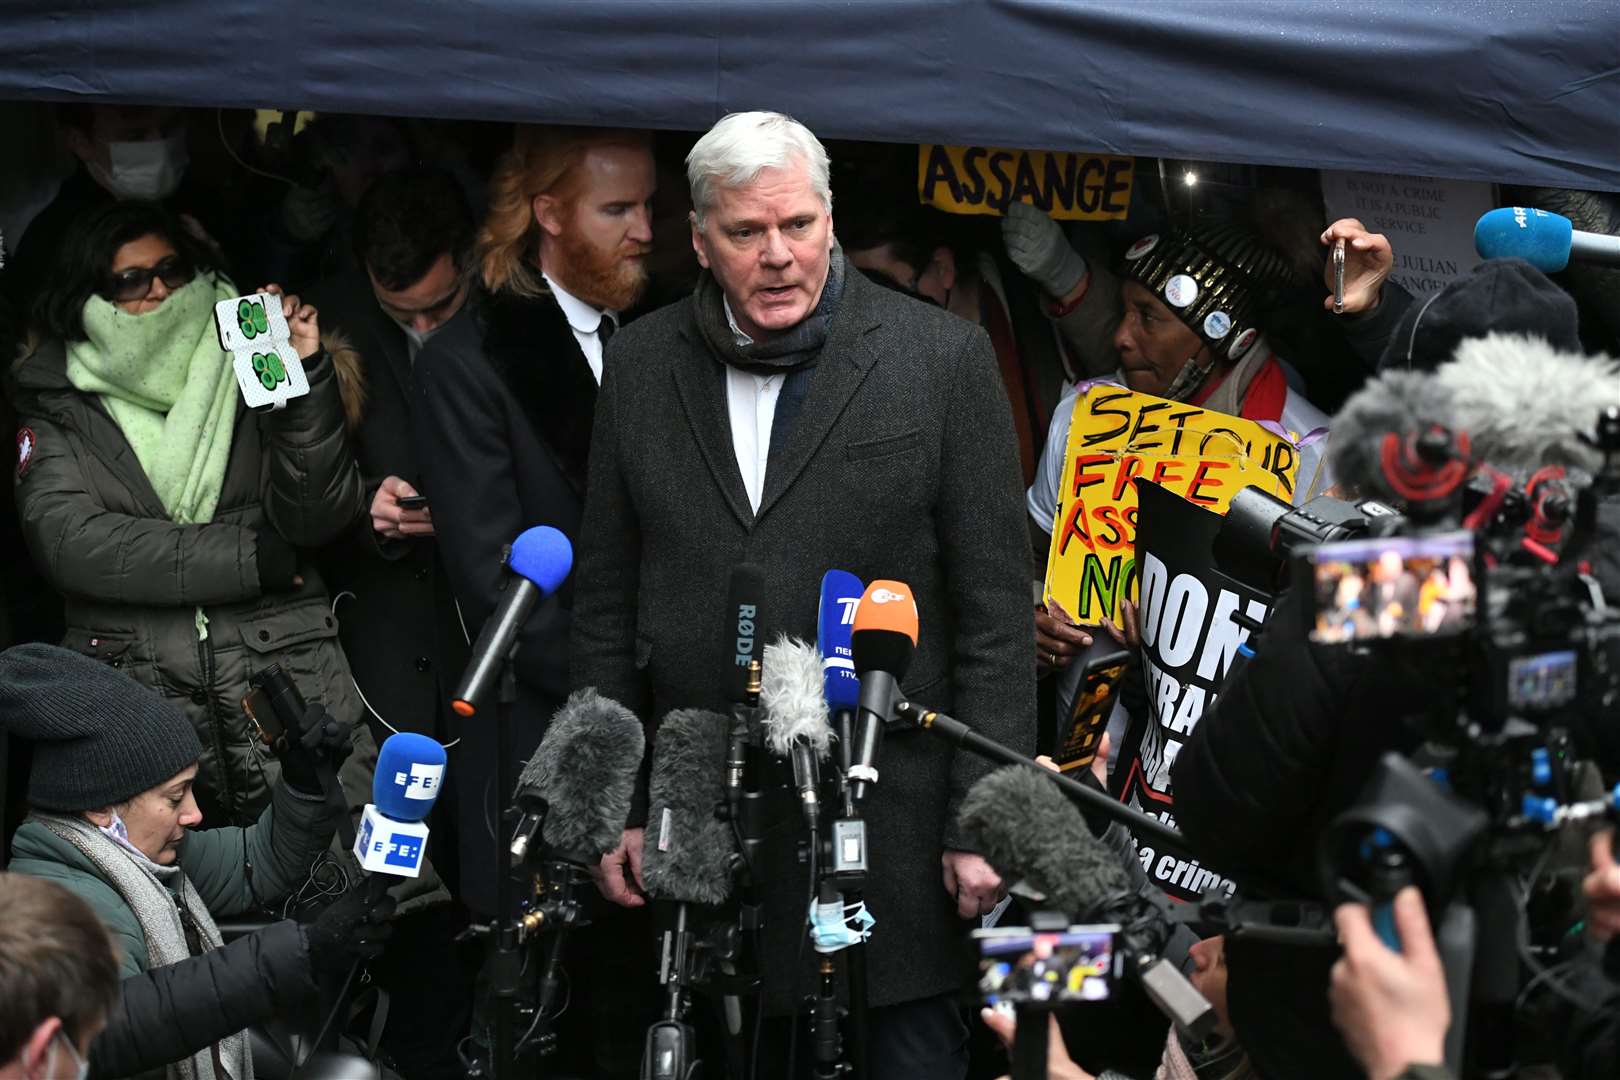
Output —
<point x="353" y="927"/>
<point x="321" y="737"/>
<point x="277" y="560"/>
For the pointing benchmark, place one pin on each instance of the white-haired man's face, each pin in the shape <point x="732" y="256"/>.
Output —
<point x="767" y="244"/>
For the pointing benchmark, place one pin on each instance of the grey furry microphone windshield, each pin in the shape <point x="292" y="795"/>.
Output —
<point x="689" y="851"/>
<point x="791" y="691"/>
<point x="1030" y="833"/>
<point x="585" y="771"/>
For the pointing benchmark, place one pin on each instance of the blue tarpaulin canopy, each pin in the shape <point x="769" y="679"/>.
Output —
<point x="1467" y="89"/>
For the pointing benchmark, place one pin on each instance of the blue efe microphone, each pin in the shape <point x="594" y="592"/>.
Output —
<point x="840" y="595"/>
<point x="1545" y="240"/>
<point x="539" y="561"/>
<point x="393" y="834"/>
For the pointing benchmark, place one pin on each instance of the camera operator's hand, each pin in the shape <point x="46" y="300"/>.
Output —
<point x="321" y="738"/>
<point x="618" y="875"/>
<point x="302" y="323"/>
<point x="353" y="927"/>
<point x="1602" y="889"/>
<point x="1057" y="639"/>
<point x="1391" y="1007"/>
<point x="1059" y="1066"/>
<point x="1368" y="260"/>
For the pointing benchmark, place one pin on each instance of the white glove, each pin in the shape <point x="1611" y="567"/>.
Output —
<point x="1037" y="246"/>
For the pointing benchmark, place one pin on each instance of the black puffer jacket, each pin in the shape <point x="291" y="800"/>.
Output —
<point x="1286" y="748"/>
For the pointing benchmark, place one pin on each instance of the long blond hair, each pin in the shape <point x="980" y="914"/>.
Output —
<point x="542" y="161"/>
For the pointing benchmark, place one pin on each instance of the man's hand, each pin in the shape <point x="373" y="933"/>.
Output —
<point x="1602" y="889"/>
<point x="302" y="322"/>
<point x="1128" y="630"/>
<point x="392" y="520"/>
<point x="969" y="879"/>
<point x="1059" y="1066"/>
<point x="1057" y="639"/>
<point x="1390" y="1007"/>
<point x="1036" y="245"/>
<point x="618" y="875"/>
<point x="1367" y="262"/>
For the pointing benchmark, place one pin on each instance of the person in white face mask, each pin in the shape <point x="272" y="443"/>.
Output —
<point x="58" y="979"/>
<point x="125" y="152"/>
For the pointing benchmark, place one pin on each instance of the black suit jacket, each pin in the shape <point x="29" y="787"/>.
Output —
<point x="901" y="465"/>
<point x="397" y="616"/>
<point x="504" y="400"/>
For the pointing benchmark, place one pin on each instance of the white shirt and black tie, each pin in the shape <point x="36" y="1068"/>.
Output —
<point x="592" y="326"/>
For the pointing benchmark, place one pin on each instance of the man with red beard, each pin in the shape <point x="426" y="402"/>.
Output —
<point x="503" y="408"/>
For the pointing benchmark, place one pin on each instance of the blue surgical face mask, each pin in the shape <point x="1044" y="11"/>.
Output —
<point x="81" y="1066"/>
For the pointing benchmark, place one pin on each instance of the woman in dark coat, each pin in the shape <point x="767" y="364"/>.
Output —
<point x="167" y="513"/>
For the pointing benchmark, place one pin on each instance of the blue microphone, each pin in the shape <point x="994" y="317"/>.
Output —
<point x="539" y="561"/>
<point x="840" y="596"/>
<point x="393" y="831"/>
<point x="1545" y="240"/>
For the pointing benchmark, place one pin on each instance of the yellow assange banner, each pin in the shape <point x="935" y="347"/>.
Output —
<point x="984" y="179"/>
<point x="1117" y="435"/>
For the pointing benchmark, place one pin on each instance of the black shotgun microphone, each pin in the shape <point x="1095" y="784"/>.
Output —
<point x="747" y="640"/>
<point x="575" y="792"/>
<point x="883" y="640"/>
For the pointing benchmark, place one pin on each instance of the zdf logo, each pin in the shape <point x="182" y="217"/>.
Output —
<point x="886" y="596"/>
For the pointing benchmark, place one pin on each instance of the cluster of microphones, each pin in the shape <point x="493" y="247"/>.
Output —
<point x="823" y="709"/>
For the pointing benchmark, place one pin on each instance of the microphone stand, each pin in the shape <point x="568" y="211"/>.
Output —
<point x="506" y="961"/>
<point x="1145" y="826"/>
<point x="847" y="882"/>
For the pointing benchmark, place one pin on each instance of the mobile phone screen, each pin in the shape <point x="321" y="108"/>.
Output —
<point x="1088" y="717"/>
<point x="1077" y="964"/>
<point x="1393" y="587"/>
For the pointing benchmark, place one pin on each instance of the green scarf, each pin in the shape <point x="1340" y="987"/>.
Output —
<point x="170" y="388"/>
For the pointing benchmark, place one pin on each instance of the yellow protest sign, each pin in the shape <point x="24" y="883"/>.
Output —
<point x="984" y="179"/>
<point x="1117" y="435"/>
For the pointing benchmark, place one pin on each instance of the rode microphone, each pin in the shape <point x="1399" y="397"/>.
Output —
<point x="1030" y="835"/>
<point x="1545" y="240"/>
<point x="796" y="717"/>
<point x="576" y="790"/>
<point x="743" y="631"/>
<point x="539" y="560"/>
<point x="393" y="834"/>
<point x="882" y="641"/>
<point x="840" y="596"/>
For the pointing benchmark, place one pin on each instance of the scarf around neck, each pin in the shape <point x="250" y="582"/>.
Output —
<point x="796" y="347"/>
<point x="168" y="385"/>
<point x="155" y="895"/>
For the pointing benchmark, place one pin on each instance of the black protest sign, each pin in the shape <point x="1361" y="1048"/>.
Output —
<point x="1189" y="641"/>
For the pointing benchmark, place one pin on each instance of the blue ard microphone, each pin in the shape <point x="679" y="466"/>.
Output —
<point x="1545" y="240"/>
<point x="539" y="560"/>
<point x="840" y="596"/>
<point x="393" y="830"/>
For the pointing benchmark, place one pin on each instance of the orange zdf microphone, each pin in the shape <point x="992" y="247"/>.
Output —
<point x="884" y="637"/>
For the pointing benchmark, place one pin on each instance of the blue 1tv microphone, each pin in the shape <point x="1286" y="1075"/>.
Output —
<point x="393" y="828"/>
<point x="1545" y="240"/>
<point x="539" y="561"/>
<point x="840" y="596"/>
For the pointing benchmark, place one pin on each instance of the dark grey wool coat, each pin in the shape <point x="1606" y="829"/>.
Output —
<point x="903" y="465"/>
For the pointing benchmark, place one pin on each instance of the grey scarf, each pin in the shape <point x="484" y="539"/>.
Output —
<point x="796" y="347"/>
<point x="145" y="887"/>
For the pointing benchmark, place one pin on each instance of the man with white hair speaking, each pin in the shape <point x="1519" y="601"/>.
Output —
<point x="794" y="415"/>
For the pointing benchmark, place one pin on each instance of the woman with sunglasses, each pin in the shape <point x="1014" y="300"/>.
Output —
<point x="167" y="513"/>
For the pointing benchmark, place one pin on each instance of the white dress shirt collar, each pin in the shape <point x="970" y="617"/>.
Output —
<point x="584" y="320"/>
